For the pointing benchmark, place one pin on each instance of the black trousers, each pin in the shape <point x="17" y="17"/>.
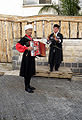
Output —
<point x="52" y="64"/>
<point x="56" y="66"/>
<point x="27" y="81"/>
<point x="53" y="61"/>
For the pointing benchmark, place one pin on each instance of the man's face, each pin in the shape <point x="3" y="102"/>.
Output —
<point x="56" y="29"/>
<point x="28" y="32"/>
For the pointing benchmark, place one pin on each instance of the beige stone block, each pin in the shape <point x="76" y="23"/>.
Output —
<point x="70" y="42"/>
<point x="72" y="48"/>
<point x="80" y="54"/>
<point x="69" y="59"/>
<point x="68" y="48"/>
<point x="79" y="59"/>
<point x="68" y="53"/>
<point x="72" y="53"/>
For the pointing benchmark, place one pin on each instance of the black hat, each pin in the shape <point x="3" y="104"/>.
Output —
<point x="56" y="25"/>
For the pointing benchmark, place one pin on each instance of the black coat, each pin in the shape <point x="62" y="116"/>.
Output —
<point x="56" y="49"/>
<point x="28" y="62"/>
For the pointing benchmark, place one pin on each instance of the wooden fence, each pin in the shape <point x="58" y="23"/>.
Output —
<point x="12" y="28"/>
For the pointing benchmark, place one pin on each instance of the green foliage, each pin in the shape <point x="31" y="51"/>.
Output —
<point x="70" y="7"/>
<point x="66" y="7"/>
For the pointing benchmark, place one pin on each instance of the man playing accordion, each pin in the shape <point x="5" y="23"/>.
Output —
<point x="27" y="69"/>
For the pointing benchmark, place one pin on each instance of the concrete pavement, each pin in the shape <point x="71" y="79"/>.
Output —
<point x="53" y="99"/>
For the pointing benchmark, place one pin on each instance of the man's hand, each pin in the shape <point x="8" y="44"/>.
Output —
<point x="56" y="39"/>
<point x="30" y="48"/>
<point x="47" y="38"/>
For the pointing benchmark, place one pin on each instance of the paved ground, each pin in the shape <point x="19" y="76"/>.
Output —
<point x="53" y="99"/>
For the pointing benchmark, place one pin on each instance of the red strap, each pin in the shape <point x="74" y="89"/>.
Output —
<point x="29" y="37"/>
<point x="20" y="47"/>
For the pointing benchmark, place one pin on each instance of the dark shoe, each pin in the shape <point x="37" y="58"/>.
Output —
<point x="56" y="69"/>
<point x="50" y="70"/>
<point x="29" y="90"/>
<point x="33" y="88"/>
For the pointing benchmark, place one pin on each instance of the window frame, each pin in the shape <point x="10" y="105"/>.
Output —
<point x="35" y="5"/>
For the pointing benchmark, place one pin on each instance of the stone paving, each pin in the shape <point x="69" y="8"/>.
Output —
<point x="53" y="99"/>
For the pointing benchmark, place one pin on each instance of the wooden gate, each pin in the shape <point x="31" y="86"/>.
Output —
<point x="12" y="28"/>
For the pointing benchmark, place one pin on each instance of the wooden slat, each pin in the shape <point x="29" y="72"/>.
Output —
<point x="16" y="30"/>
<point x="80" y="30"/>
<point x="8" y="42"/>
<point x="65" y="29"/>
<point x="0" y="42"/>
<point x="20" y="30"/>
<point x="9" y="37"/>
<point x="39" y="29"/>
<point x="2" y="59"/>
<point x="33" y="32"/>
<point x="47" y="26"/>
<point x="73" y="27"/>
<point x="23" y="31"/>
<point x="4" y="42"/>
<point x="11" y="40"/>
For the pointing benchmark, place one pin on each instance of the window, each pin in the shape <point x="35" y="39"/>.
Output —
<point x="44" y="1"/>
<point x="36" y="2"/>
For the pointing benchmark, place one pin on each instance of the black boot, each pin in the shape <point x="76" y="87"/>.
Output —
<point x="27" y="85"/>
<point x="29" y="90"/>
<point x="33" y="88"/>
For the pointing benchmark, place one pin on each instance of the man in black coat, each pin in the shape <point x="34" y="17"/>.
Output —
<point x="27" y="69"/>
<point x="55" y="53"/>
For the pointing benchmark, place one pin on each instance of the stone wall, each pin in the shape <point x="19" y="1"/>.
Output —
<point x="72" y="55"/>
<point x="72" y="51"/>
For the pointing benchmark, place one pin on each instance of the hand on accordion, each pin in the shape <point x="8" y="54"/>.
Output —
<point x="30" y="48"/>
<point x="47" y="48"/>
<point x="38" y="48"/>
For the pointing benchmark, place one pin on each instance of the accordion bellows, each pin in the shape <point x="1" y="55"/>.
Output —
<point x="39" y="48"/>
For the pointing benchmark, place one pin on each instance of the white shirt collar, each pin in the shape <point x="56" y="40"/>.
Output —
<point x="56" y="33"/>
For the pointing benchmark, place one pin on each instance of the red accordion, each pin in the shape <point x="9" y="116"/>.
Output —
<point x="39" y="48"/>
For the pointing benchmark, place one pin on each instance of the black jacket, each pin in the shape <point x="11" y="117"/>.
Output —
<point x="56" y="49"/>
<point x="28" y="62"/>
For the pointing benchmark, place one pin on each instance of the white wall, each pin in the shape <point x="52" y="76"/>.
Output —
<point x="15" y="7"/>
<point x="11" y="7"/>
